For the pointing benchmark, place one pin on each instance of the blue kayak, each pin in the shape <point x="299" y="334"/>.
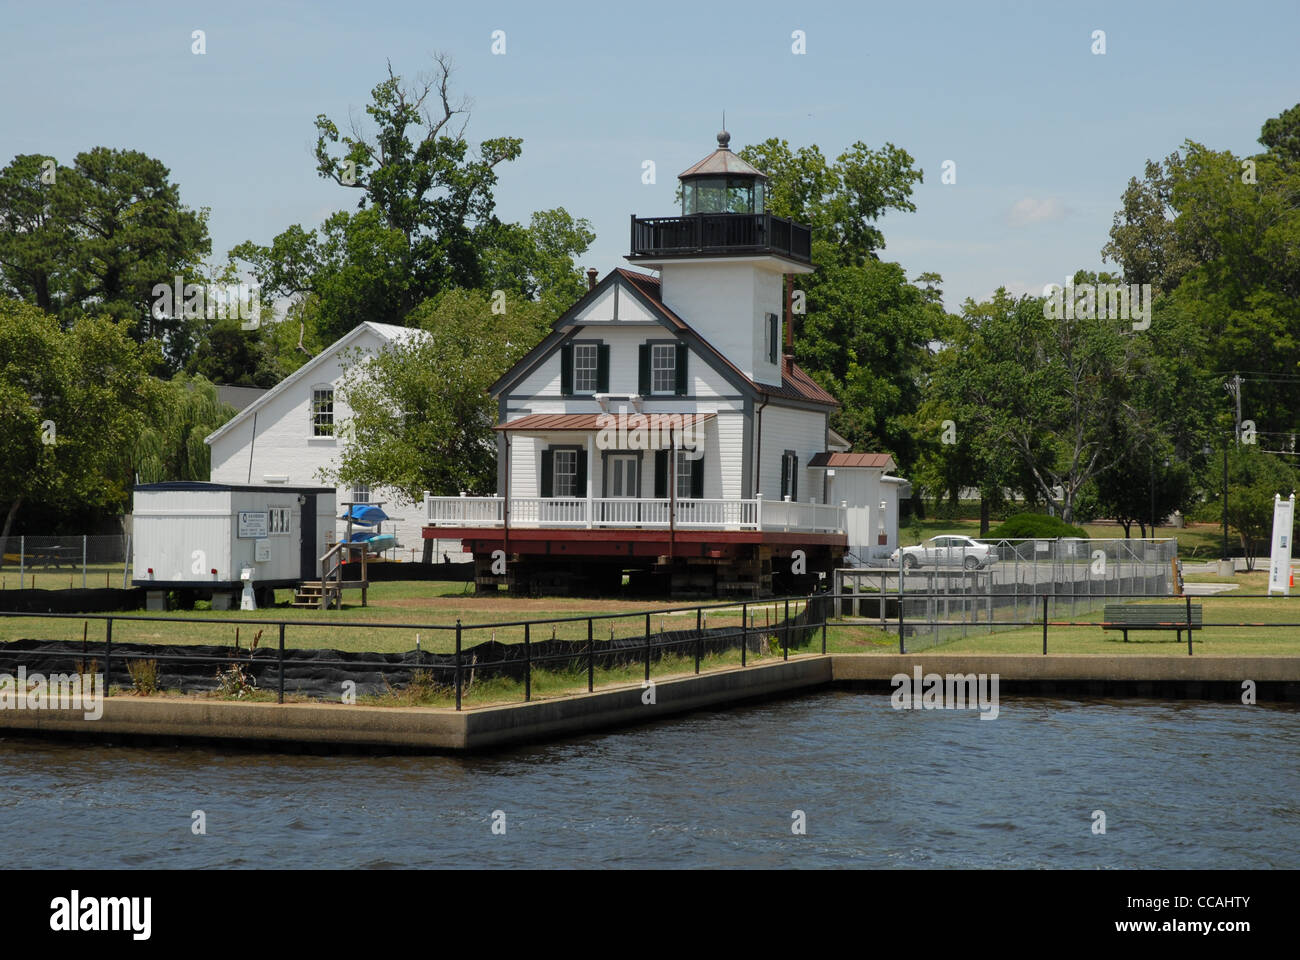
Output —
<point x="365" y="513"/>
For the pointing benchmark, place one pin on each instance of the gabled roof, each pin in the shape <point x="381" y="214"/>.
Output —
<point x="385" y="331"/>
<point x="795" y="385"/>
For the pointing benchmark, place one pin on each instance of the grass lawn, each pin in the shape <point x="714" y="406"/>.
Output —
<point x="1220" y="635"/>
<point x="413" y="606"/>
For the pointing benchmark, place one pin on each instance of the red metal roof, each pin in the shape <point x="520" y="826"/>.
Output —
<point x="877" y="461"/>
<point x="547" y="422"/>
<point x="795" y="385"/>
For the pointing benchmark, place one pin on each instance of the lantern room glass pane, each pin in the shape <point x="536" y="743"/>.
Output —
<point x="722" y="195"/>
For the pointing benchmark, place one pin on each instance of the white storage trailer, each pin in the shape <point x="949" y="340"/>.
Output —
<point x="206" y="539"/>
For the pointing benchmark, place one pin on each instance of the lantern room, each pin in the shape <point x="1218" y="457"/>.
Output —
<point x="722" y="183"/>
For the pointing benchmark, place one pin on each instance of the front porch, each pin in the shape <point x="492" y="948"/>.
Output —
<point x="755" y="514"/>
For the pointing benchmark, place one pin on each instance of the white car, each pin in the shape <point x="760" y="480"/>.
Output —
<point x="946" y="551"/>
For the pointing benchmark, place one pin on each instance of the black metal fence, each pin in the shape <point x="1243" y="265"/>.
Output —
<point x="198" y="667"/>
<point x="789" y="624"/>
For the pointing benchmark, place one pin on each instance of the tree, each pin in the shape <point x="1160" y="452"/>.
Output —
<point x="171" y="445"/>
<point x="421" y="416"/>
<point x="1220" y="235"/>
<point x="867" y="328"/>
<point x="1053" y="389"/>
<point x="1253" y="478"/>
<point x="97" y="240"/>
<point x="34" y="242"/>
<point x="72" y="404"/>
<point x="424" y="221"/>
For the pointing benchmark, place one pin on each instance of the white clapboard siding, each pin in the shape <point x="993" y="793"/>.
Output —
<point x="803" y="431"/>
<point x="712" y="296"/>
<point x="284" y="451"/>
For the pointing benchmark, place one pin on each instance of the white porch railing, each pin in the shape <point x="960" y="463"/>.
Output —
<point x="636" y="512"/>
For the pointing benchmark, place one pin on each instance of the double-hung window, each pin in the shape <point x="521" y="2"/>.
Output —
<point x="565" y="473"/>
<point x="586" y="367"/>
<point x="322" y="412"/>
<point x="663" y="368"/>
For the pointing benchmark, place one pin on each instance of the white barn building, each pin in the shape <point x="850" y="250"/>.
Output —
<point x="290" y="432"/>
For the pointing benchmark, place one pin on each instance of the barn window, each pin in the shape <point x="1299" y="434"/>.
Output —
<point x="322" y="412"/>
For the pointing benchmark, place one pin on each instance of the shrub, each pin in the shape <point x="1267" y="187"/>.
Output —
<point x="1036" y="526"/>
<point x="144" y="676"/>
<point x="234" y="683"/>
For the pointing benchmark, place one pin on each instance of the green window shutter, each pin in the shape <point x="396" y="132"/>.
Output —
<point x="643" y="364"/>
<point x="661" y="472"/>
<point x="785" y="475"/>
<point x="548" y="473"/>
<point x="794" y="477"/>
<point x="683" y="352"/>
<point x="697" y="478"/>
<point x="602" y="368"/>
<point x="773" y="332"/>
<point x="566" y="370"/>
<point x="580" y="481"/>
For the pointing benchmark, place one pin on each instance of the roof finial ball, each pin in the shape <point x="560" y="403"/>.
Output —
<point x="724" y="139"/>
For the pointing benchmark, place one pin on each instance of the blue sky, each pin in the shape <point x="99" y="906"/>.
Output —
<point x="1044" y="133"/>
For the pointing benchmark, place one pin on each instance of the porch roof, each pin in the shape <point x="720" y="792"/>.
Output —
<point x="874" y="461"/>
<point x="585" y="422"/>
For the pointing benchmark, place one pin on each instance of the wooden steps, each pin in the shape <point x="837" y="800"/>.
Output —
<point x="312" y="593"/>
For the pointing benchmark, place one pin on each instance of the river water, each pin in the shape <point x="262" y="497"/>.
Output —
<point x="1181" y="784"/>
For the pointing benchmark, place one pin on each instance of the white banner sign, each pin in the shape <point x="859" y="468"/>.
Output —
<point x="1279" y="568"/>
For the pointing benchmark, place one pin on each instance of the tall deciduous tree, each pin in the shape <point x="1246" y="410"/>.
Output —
<point x="72" y="405"/>
<point x="867" y="328"/>
<point x="424" y="221"/>
<point x="95" y="238"/>
<point x="421" y="417"/>
<point x="1054" y="390"/>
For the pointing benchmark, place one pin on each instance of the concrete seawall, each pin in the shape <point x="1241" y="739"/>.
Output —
<point x="424" y="729"/>
<point x="1097" y="675"/>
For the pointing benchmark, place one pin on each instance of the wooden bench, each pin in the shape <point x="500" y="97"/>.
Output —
<point x="1151" y="616"/>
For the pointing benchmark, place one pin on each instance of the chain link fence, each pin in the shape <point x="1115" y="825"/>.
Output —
<point x="69" y="562"/>
<point x="948" y="591"/>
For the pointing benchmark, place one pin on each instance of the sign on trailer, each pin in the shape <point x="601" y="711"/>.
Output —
<point x="252" y="525"/>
